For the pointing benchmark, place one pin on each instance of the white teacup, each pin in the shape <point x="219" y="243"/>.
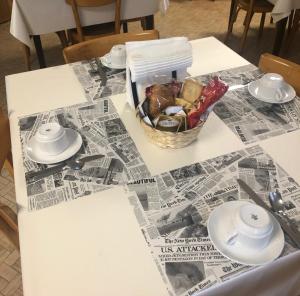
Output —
<point x="252" y="227"/>
<point x="270" y="86"/>
<point x="118" y="55"/>
<point x="51" y="138"/>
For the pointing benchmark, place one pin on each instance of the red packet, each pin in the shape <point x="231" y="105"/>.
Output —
<point x="211" y="93"/>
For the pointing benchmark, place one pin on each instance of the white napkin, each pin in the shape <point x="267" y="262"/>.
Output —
<point x="149" y="59"/>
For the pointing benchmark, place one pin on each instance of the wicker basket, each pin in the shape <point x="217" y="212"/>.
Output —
<point x="170" y="139"/>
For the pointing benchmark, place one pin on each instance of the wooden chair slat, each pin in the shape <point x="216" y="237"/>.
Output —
<point x="5" y="138"/>
<point x="99" y="47"/>
<point x="8" y="218"/>
<point x="269" y="63"/>
<point x="90" y="3"/>
<point x="78" y="35"/>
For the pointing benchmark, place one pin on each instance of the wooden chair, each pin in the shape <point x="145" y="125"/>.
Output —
<point x="85" y="33"/>
<point x="8" y="219"/>
<point x="251" y="7"/>
<point x="138" y="19"/>
<point x="289" y="70"/>
<point x="98" y="47"/>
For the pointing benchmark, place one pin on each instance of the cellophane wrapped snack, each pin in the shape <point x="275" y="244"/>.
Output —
<point x="211" y="93"/>
<point x="161" y="96"/>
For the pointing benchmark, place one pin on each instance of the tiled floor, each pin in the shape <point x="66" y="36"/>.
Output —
<point x="10" y="265"/>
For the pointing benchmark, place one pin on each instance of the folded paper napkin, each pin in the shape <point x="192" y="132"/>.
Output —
<point x="149" y="59"/>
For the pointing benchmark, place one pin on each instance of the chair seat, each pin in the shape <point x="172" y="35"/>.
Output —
<point x="259" y="5"/>
<point x="94" y="31"/>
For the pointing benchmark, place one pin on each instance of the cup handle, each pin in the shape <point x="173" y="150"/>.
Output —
<point x="232" y="238"/>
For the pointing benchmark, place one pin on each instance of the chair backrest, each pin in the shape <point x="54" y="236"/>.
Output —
<point x="9" y="224"/>
<point x="5" y="138"/>
<point x="8" y="219"/>
<point x="100" y="46"/>
<point x="269" y="63"/>
<point x="94" y="3"/>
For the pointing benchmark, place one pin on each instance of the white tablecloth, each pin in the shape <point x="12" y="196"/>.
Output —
<point x="67" y="249"/>
<point x="36" y="17"/>
<point x="283" y="8"/>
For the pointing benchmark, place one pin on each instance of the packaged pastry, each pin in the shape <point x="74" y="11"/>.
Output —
<point x="160" y="97"/>
<point x="191" y="90"/>
<point x="185" y="104"/>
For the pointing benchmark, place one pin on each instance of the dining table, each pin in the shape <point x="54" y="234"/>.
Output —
<point x="30" y="19"/>
<point x="93" y="245"/>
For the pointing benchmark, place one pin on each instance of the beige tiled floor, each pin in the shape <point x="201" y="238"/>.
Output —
<point x="10" y="265"/>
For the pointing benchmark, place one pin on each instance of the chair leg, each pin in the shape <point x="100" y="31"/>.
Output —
<point x="261" y="26"/>
<point x="26" y="51"/>
<point x="9" y="164"/>
<point x="125" y="26"/>
<point x="232" y="20"/>
<point x="143" y="23"/>
<point x="70" y="38"/>
<point x="236" y="14"/>
<point x="247" y="25"/>
<point x="244" y="23"/>
<point x="63" y="38"/>
<point x="293" y="30"/>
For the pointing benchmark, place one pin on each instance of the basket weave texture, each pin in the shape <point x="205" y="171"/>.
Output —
<point x="169" y="139"/>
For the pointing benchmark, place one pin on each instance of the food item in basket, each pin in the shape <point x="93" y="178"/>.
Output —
<point x="181" y="113"/>
<point x="193" y="118"/>
<point x="211" y="93"/>
<point x="160" y="97"/>
<point x="185" y="104"/>
<point x="191" y="90"/>
<point x="171" y="110"/>
<point x="171" y="123"/>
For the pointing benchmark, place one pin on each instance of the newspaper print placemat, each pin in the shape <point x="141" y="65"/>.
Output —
<point x="103" y="133"/>
<point x="99" y="81"/>
<point x="172" y="210"/>
<point x="250" y="119"/>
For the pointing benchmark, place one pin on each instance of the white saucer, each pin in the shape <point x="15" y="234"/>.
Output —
<point x="106" y="61"/>
<point x="287" y="93"/>
<point x="36" y="155"/>
<point x="219" y="226"/>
